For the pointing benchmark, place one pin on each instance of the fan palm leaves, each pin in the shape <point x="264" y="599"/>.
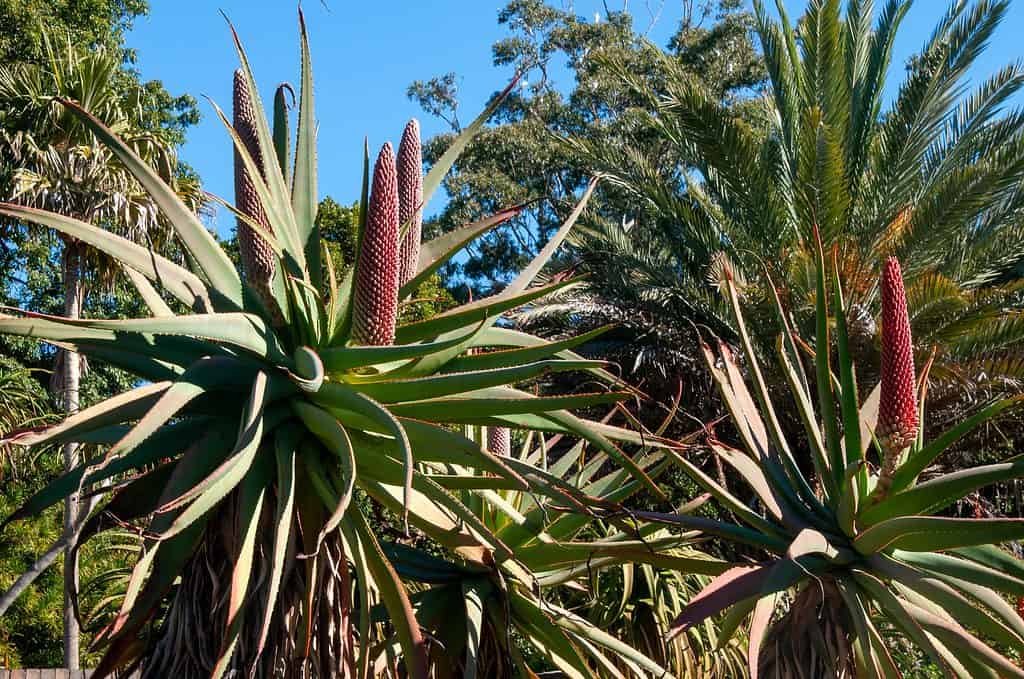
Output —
<point x="933" y="177"/>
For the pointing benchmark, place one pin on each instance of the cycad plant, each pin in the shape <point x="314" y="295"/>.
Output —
<point x="933" y="178"/>
<point x="860" y="548"/>
<point x="275" y="408"/>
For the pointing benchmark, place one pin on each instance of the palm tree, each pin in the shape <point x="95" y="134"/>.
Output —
<point x="59" y="166"/>
<point x="934" y="178"/>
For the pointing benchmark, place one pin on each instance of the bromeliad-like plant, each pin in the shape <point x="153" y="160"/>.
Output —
<point x="856" y="549"/>
<point x="269" y="403"/>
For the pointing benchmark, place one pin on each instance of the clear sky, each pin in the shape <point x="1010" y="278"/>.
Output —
<point x="365" y="54"/>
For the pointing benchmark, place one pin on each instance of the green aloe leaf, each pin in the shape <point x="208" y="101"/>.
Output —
<point x="434" y="253"/>
<point x="437" y="173"/>
<point x="201" y="244"/>
<point x="393" y="594"/>
<point x="178" y="281"/>
<point x="934" y="534"/>
<point x="304" y="189"/>
<point x="938" y="493"/>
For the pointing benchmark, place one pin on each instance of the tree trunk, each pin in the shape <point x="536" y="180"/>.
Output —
<point x="71" y="375"/>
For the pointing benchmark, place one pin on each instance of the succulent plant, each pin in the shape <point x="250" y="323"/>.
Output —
<point x="274" y="409"/>
<point x="843" y="565"/>
<point x="557" y="553"/>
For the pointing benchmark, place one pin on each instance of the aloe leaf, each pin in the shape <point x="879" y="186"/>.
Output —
<point x="163" y="443"/>
<point x="241" y="330"/>
<point x="147" y="292"/>
<point x="282" y="221"/>
<point x="933" y="534"/>
<point x="207" y="493"/>
<point x="485" y="310"/>
<point x="918" y="461"/>
<point x="250" y="509"/>
<point x="497" y="401"/>
<point x="514" y="357"/>
<point x="278" y="203"/>
<point x="434" y="253"/>
<point x="474" y="625"/>
<point x="285" y="454"/>
<point x="334" y="437"/>
<point x="437" y="386"/>
<point x="339" y="359"/>
<point x="734" y="585"/>
<point x="952" y="565"/>
<point x="281" y="131"/>
<point x="759" y="622"/>
<point x="304" y="188"/>
<point x="506" y="337"/>
<point x="120" y="408"/>
<point x="364" y="404"/>
<point x="848" y="381"/>
<point x="949" y="600"/>
<point x="823" y="369"/>
<point x="394" y="596"/>
<point x="579" y="627"/>
<point x="547" y="636"/>
<point x="201" y="244"/>
<point x="938" y="493"/>
<point x="180" y="282"/>
<point x="437" y="173"/>
<point x="167" y="349"/>
<point x="721" y="528"/>
<point x="899" y="613"/>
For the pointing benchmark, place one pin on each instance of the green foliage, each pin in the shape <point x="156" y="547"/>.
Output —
<point x="849" y="555"/>
<point x="520" y="159"/>
<point x="920" y="179"/>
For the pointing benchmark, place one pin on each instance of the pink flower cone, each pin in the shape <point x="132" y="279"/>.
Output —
<point x="375" y="305"/>
<point x="258" y="259"/>
<point x="410" y="198"/>
<point x="499" y="440"/>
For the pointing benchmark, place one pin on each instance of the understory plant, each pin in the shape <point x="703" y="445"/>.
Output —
<point x="855" y="547"/>
<point x="278" y="409"/>
<point x="538" y="609"/>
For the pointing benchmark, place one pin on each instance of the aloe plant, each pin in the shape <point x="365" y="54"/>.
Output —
<point x="269" y="402"/>
<point x="860" y="548"/>
<point x="522" y="617"/>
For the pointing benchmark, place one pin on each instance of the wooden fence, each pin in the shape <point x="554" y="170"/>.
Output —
<point x="49" y="674"/>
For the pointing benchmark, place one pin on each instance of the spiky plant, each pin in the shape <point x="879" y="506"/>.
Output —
<point x="532" y="617"/>
<point x="259" y="436"/>
<point x="857" y="548"/>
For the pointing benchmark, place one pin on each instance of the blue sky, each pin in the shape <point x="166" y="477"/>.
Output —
<point x="365" y="54"/>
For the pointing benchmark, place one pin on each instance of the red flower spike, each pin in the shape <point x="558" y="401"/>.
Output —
<point x="375" y="304"/>
<point x="410" y="198"/>
<point x="897" y="409"/>
<point x="499" y="441"/>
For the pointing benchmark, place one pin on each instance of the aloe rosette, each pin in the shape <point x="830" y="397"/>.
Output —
<point x="557" y="553"/>
<point x="856" y="550"/>
<point x="268" y="404"/>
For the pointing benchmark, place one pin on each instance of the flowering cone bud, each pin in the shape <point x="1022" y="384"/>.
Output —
<point x="258" y="258"/>
<point x="897" y="409"/>
<point x="499" y="440"/>
<point x="410" y="198"/>
<point x="375" y="307"/>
